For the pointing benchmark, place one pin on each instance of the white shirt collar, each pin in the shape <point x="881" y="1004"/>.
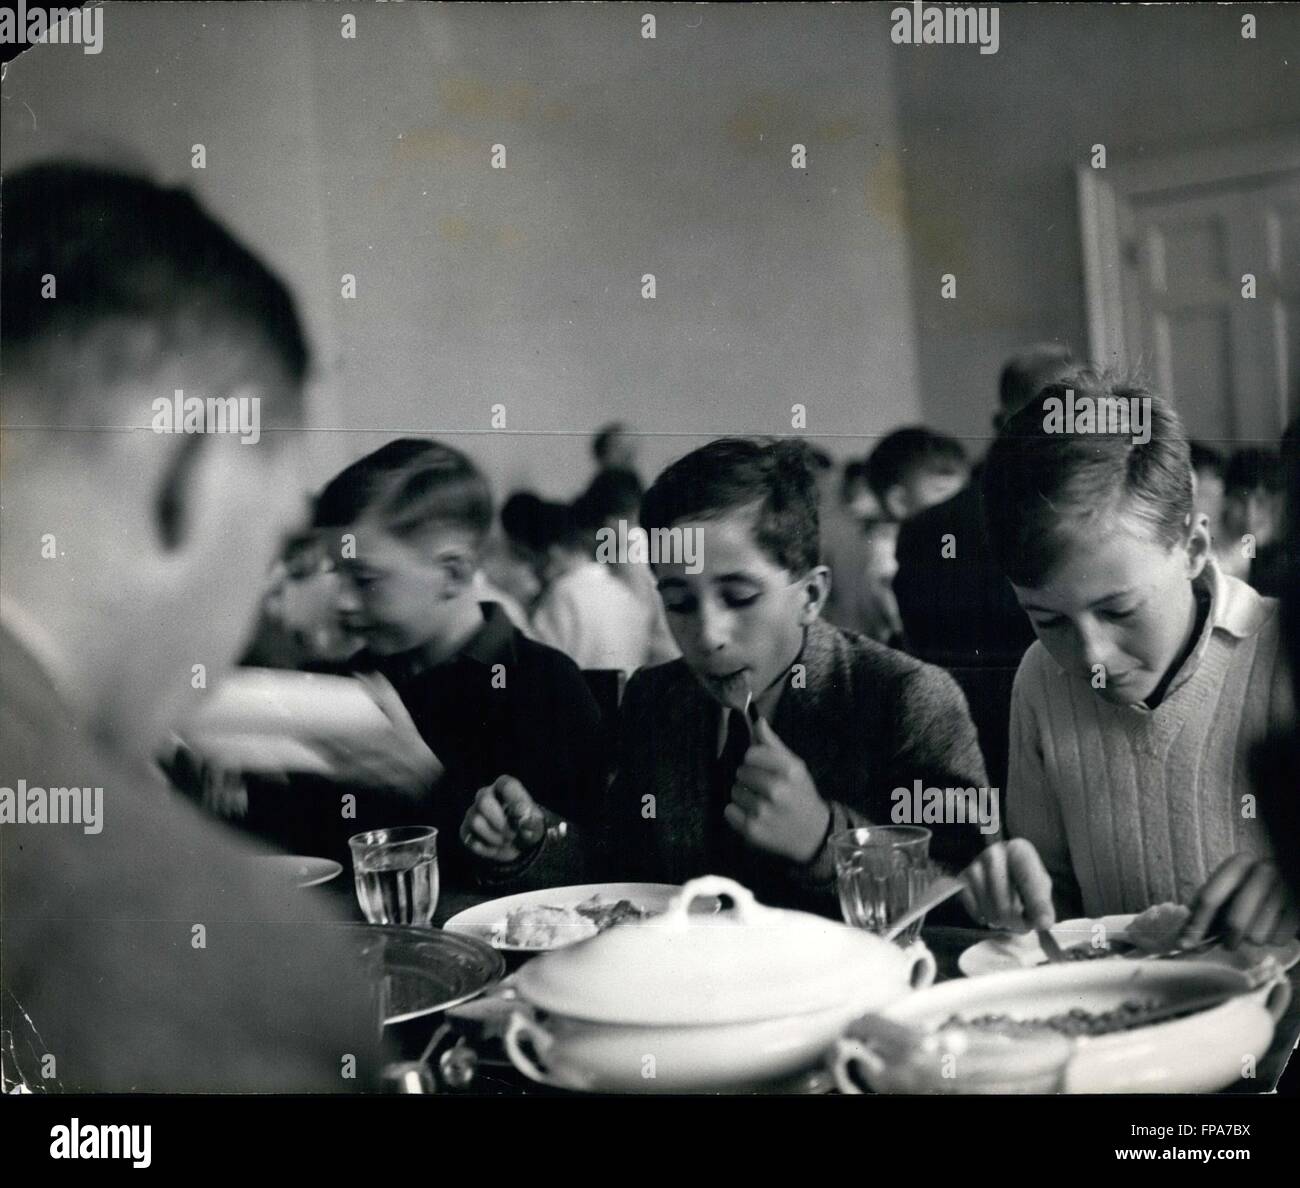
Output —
<point x="1236" y="607"/>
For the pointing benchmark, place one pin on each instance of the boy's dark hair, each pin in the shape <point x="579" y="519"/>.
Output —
<point x="855" y="475"/>
<point x="142" y="274"/>
<point x="1025" y="374"/>
<point x="1206" y="457"/>
<point x="906" y="451"/>
<point x="611" y="495"/>
<point x="1254" y="470"/>
<point x="733" y="473"/>
<point x="301" y="553"/>
<point x="820" y="460"/>
<point x="538" y="524"/>
<point x="411" y="486"/>
<point x="1039" y="483"/>
<point x="604" y="435"/>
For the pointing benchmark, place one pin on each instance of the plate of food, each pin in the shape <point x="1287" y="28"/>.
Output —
<point x="539" y="921"/>
<point x="1132" y="936"/>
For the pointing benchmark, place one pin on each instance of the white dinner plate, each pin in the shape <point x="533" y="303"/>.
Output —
<point x="301" y="871"/>
<point x="1022" y="951"/>
<point x="486" y="921"/>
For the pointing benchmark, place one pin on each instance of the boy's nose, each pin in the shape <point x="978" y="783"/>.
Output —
<point x="346" y="600"/>
<point x="1094" y="646"/>
<point x="712" y="631"/>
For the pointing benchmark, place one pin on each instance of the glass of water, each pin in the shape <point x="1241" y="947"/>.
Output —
<point x="396" y="874"/>
<point x="880" y="872"/>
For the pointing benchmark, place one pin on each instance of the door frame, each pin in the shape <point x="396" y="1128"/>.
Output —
<point x="1102" y="193"/>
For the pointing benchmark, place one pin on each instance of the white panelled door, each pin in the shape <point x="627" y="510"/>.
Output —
<point x="1173" y="249"/>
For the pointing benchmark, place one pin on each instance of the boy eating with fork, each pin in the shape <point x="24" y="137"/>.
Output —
<point x="774" y="730"/>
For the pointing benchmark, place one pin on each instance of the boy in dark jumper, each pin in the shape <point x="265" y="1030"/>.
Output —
<point x="477" y="703"/>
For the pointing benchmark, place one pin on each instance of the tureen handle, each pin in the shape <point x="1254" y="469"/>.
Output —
<point x="849" y="1053"/>
<point x="1277" y="996"/>
<point x="519" y="1029"/>
<point x="710" y="887"/>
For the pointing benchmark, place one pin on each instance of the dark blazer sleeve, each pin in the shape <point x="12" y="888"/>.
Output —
<point x="604" y="844"/>
<point x="563" y="763"/>
<point x="615" y="853"/>
<point x="568" y="755"/>
<point x="935" y="742"/>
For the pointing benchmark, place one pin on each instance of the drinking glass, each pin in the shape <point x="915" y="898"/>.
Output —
<point x="396" y="874"/>
<point x="880" y="872"/>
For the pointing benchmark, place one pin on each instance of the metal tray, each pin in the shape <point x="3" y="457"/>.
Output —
<point x="426" y="970"/>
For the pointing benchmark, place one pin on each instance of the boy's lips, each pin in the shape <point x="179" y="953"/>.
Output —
<point x="730" y="688"/>
<point x="730" y="675"/>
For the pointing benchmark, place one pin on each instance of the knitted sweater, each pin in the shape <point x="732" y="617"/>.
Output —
<point x="865" y="720"/>
<point x="1130" y="806"/>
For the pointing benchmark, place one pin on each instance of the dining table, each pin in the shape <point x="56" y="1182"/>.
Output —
<point x="483" y="1068"/>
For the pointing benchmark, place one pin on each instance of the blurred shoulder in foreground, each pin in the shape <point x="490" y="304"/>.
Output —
<point x="143" y="949"/>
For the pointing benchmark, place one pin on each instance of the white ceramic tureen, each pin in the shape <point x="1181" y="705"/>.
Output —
<point x="685" y="1002"/>
<point x="1193" y="1053"/>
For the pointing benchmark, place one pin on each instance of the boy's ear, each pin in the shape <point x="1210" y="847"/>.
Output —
<point x="1198" y="544"/>
<point x="817" y="588"/>
<point x="177" y="487"/>
<point x="895" y="502"/>
<point x="459" y="565"/>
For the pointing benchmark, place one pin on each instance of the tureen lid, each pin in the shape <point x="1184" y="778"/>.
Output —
<point x="750" y="963"/>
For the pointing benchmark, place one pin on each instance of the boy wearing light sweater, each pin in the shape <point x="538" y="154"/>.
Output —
<point x="1133" y="716"/>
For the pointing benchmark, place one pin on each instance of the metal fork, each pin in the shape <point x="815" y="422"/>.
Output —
<point x="1051" y="948"/>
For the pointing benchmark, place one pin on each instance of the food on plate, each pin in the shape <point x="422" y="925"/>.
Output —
<point x="1159" y="927"/>
<point x="1091" y="952"/>
<point x="606" y="915"/>
<point x="544" y="926"/>
<point x="538" y="926"/>
<point x="1076" y="1022"/>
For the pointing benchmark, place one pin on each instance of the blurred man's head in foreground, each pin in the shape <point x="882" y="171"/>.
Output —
<point x="141" y="343"/>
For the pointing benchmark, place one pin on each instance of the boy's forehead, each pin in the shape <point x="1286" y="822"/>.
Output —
<point x="1102" y="560"/>
<point x="373" y="541"/>
<point x="724" y="544"/>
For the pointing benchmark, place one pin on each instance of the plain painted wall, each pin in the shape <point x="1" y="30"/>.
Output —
<point x="522" y="286"/>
